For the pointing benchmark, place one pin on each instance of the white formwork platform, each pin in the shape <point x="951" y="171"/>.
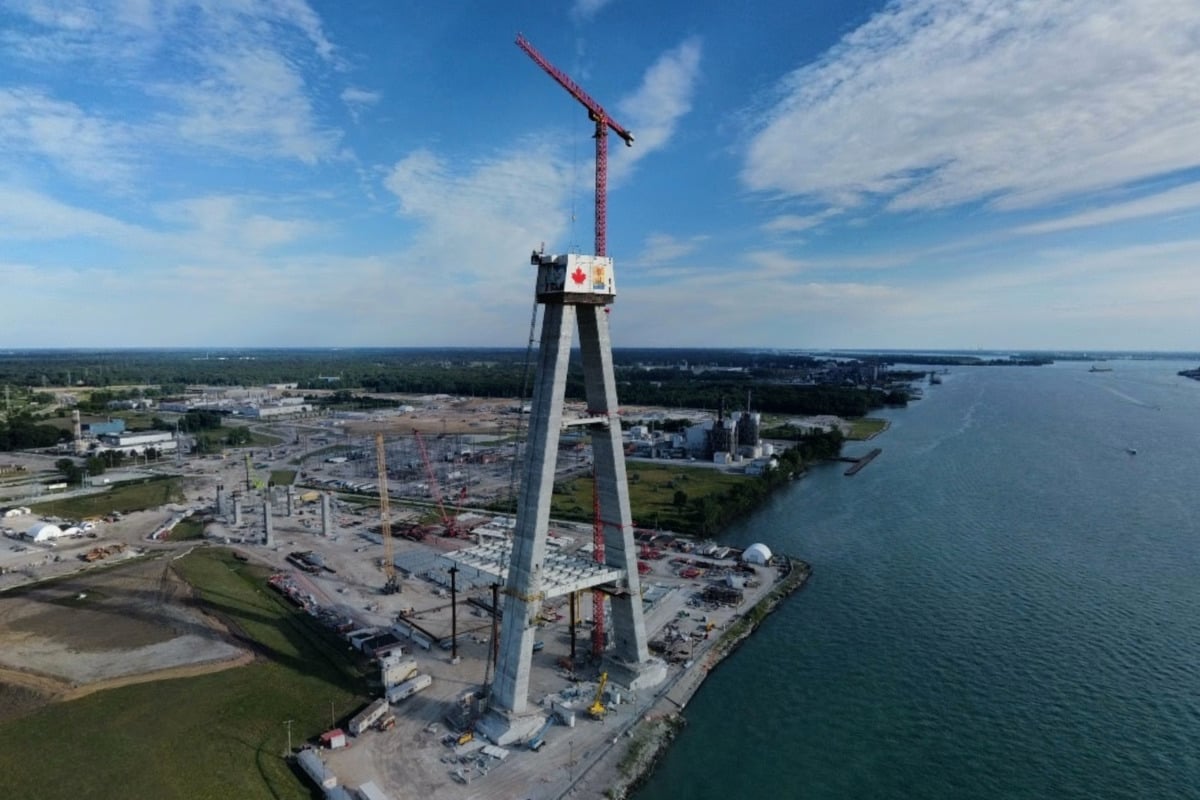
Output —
<point x="562" y="573"/>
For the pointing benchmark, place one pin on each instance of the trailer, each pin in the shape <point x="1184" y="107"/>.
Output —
<point x="397" y="671"/>
<point x="408" y="688"/>
<point x="368" y="717"/>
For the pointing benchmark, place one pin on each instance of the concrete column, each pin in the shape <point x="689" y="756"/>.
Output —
<point x="291" y="500"/>
<point x="326" y="515"/>
<point x="627" y="629"/>
<point x="522" y="593"/>
<point x="237" y="511"/>
<point x="268" y="529"/>
<point x="222" y="501"/>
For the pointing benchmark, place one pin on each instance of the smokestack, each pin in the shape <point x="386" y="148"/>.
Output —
<point x="237" y="510"/>
<point x="291" y="495"/>
<point x="222" y="501"/>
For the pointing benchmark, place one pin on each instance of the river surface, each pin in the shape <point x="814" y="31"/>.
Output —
<point x="1005" y="604"/>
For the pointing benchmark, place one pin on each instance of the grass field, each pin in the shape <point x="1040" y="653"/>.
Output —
<point x="283" y="477"/>
<point x="190" y="528"/>
<point x="213" y="737"/>
<point x="652" y="490"/>
<point x="865" y="427"/>
<point x="124" y="497"/>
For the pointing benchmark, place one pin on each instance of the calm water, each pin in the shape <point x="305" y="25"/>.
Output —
<point x="1006" y="604"/>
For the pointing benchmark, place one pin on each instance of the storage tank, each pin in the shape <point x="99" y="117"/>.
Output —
<point x="315" y="768"/>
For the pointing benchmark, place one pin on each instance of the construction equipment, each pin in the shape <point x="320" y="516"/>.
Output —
<point x="435" y="488"/>
<point x="603" y="121"/>
<point x="391" y="585"/>
<point x="539" y="739"/>
<point x="597" y="709"/>
<point x="253" y="482"/>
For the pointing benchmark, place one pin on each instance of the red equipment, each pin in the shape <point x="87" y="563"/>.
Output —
<point x="603" y="122"/>
<point x="435" y="489"/>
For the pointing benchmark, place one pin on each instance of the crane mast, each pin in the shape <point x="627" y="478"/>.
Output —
<point x="603" y="121"/>
<point x="390" y="586"/>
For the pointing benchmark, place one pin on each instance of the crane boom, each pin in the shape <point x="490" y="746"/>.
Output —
<point x="390" y="586"/>
<point x="603" y="122"/>
<point x="435" y="488"/>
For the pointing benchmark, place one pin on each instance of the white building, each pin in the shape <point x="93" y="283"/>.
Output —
<point x="139" y="441"/>
<point x="758" y="554"/>
<point x="44" y="532"/>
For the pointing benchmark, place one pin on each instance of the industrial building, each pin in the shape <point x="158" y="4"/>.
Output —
<point x="139" y="441"/>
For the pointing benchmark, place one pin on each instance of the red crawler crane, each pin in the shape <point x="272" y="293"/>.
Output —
<point x="435" y="489"/>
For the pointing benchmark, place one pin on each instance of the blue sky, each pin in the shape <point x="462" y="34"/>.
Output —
<point x="914" y="174"/>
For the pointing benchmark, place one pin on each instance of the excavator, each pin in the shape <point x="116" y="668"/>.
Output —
<point x="597" y="709"/>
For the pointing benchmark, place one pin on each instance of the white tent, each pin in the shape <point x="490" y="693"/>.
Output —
<point x="44" y="532"/>
<point x="757" y="554"/>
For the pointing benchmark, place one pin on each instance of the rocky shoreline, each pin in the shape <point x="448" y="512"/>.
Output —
<point x="622" y="769"/>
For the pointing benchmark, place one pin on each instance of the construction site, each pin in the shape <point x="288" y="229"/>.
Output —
<point x="511" y="654"/>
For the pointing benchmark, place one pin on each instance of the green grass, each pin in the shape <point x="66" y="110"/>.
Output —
<point x="865" y="427"/>
<point x="124" y="497"/>
<point x="212" y="737"/>
<point x="190" y="528"/>
<point x="652" y="490"/>
<point x="283" y="477"/>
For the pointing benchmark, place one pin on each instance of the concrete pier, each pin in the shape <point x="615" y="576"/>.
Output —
<point x="268" y="525"/>
<point x="326" y="515"/>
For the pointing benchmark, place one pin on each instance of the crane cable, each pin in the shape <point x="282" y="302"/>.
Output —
<point x="512" y="480"/>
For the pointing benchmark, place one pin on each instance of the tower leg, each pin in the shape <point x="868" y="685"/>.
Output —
<point x="522" y="599"/>
<point x="632" y="664"/>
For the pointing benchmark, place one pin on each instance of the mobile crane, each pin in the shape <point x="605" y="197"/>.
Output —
<point x="597" y="709"/>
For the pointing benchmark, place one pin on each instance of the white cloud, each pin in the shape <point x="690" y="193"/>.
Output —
<point x="75" y="142"/>
<point x="795" y="223"/>
<point x="506" y="204"/>
<point x="234" y="74"/>
<point x="660" y="248"/>
<point x="357" y="100"/>
<point x="934" y="103"/>
<point x="252" y="102"/>
<point x="29" y="216"/>
<point x="586" y="9"/>
<point x="1180" y="199"/>
<point x="654" y="110"/>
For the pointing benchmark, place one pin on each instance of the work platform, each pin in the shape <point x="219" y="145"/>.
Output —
<point x="562" y="573"/>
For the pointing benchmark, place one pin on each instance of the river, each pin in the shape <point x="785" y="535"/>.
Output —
<point x="1005" y="604"/>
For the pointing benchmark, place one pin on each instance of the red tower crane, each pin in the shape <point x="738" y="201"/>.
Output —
<point x="603" y="121"/>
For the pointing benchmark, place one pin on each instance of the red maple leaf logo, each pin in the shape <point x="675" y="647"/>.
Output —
<point x="579" y="276"/>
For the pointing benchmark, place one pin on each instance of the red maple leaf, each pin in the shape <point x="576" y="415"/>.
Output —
<point x="579" y="276"/>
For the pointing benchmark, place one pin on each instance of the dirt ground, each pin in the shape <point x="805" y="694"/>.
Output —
<point x="101" y="629"/>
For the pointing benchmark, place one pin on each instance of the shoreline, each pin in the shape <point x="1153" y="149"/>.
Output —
<point x="620" y="770"/>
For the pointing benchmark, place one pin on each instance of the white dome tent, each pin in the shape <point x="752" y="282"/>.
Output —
<point x="758" y="554"/>
<point x="44" y="532"/>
